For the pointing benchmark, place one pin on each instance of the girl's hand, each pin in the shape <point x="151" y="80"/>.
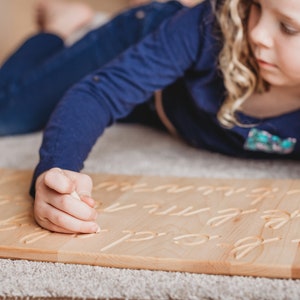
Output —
<point x="57" y="206"/>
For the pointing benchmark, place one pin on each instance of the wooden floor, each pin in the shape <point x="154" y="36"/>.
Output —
<point x="17" y="20"/>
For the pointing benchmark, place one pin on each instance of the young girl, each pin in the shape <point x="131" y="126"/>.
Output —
<point x="223" y="75"/>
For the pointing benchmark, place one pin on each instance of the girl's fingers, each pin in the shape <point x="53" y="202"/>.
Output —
<point x="52" y="227"/>
<point x="56" y="180"/>
<point x="56" y="220"/>
<point x="83" y="182"/>
<point x="73" y="207"/>
<point x="88" y="200"/>
<point x="64" y="182"/>
<point x="63" y="202"/>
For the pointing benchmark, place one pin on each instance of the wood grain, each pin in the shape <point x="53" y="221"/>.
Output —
<point x="213" y="226"/>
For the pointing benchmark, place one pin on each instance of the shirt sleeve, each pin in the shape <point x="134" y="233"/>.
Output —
<point x="111" y="92"/>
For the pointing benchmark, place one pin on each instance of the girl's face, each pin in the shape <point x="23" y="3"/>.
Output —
<point x="274" y="36"/>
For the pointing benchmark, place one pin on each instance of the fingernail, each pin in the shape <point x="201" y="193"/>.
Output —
<point x="96" y="228"/>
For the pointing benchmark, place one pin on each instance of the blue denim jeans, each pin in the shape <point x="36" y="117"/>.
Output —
<point x="37" y="75"/>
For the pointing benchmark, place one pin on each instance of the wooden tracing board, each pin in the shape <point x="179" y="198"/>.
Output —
<point x="213" y="226"/>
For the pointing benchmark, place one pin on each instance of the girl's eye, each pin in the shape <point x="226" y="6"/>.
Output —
<point x="290" y="30"/>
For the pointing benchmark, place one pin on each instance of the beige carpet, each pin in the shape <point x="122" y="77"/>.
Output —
<point x="132" y="149"/>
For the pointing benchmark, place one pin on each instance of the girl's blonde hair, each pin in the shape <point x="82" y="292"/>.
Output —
<point x="236" y="61"/>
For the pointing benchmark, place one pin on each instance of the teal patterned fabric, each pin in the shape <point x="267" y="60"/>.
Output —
<point x="261" y="140"/>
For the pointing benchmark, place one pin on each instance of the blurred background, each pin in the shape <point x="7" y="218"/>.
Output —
<point x="17" y="20"/>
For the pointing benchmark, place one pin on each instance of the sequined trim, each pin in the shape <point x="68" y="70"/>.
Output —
<point x="261" y="140"/>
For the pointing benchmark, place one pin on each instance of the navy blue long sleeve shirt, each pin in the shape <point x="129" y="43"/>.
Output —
<point x="181" y="59"/>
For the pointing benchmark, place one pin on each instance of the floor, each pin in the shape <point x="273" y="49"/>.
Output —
<point x="17" y="16"/>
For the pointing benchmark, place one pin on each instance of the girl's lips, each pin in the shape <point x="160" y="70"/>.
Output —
<point x="265" y="64"/>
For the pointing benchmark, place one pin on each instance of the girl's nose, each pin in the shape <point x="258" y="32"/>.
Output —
<point x="260" y="34"/>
